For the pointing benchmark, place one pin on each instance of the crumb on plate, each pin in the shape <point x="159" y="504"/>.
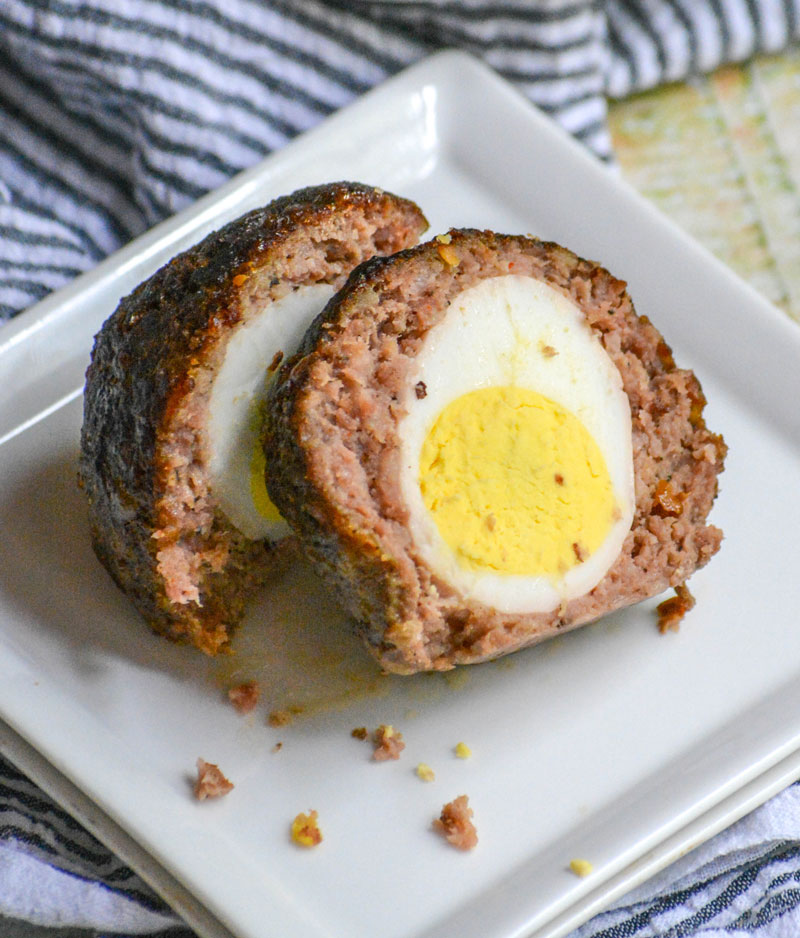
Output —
<point x="455" y="824"/>
<point x="305" y="830"/>
<point x="580" y="867"/>
<point x="280" y="718"/>
<point x="244" y="697"/>
<point x="388" y="743"/>
<point x="425" y="772"/>
<point x="360" y="732"/>
<point x="462" y="751"/>
<point x="211" y="783"/>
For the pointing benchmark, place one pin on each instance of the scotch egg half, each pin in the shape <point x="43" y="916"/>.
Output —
<point x="171" y="462"/>
<point x="481" y="445"/>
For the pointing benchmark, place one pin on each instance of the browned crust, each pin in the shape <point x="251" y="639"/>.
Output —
<point x="334" y="472"/>
<point x="142" y="443"/>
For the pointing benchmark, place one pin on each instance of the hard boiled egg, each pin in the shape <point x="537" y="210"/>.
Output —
<point x="253" y="355"/>
<point x="517" y="466"/>
<point x="483" y="445"/>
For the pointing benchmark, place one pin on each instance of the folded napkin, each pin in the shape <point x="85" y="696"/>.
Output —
<point x="115" y="115"/>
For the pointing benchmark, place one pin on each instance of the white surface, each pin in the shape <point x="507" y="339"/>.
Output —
<point x="605" y="743"/>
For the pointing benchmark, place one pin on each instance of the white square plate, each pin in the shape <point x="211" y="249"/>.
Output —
<point x="613" y="743"/>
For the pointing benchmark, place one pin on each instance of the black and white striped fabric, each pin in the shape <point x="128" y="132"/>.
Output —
<point x="113" y="115"/>
<point x="54" y="873"/>
<point x="116" y="113"/>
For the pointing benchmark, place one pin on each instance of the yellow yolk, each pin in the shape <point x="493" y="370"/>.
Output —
<point x="515" y="483"/>
<point x="258" y="489"/>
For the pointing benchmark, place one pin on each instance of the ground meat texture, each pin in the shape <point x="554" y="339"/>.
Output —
<point x="388" y="743"/>
<point x="211" y="783"/>
<point x="155" y="524"/>
<point x="244" y="697"/>
<point x="331" y="446"/>
<point x="455" y="824"/>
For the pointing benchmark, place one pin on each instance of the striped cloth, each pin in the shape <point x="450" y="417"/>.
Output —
<point x="114" y="115"/>
<point x="54" y="873"/>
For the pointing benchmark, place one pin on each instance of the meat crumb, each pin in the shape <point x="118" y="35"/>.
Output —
<point x="580" y="867"/>
<point x="455" y="824"/>
<point x="671" y="611"/>
<point x="360" y="732"/>
<point x="244" y="697"/>
<point x="277" y="358"/>
<point x="277" y="747"/>
<point x="388" y="743"/>
<point x="211" y="783"/>
<point x="305" y="830"/>
<point x="421" y="390"/>
<point x="279" y="718"/>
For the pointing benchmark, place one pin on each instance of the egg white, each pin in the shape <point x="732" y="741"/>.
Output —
<point x="236" y="397"/>
<point x="503" y="331"/>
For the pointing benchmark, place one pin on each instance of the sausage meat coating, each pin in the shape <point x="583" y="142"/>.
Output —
<point x="156" y="524"/>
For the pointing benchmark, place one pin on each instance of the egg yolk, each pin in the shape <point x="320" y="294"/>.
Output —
<point x="515" y="483"/>
<point x="258" y="489"/>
